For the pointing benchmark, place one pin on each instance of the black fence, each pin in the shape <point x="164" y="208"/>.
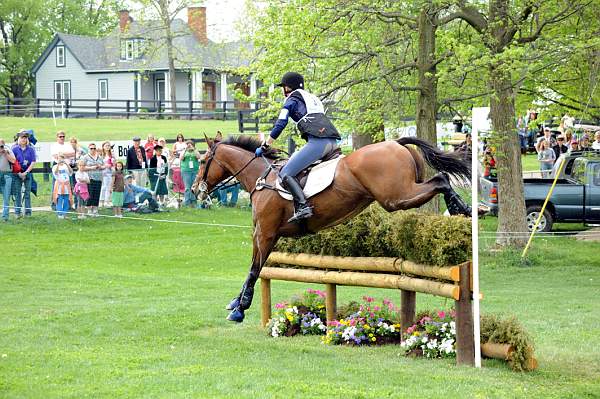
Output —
<point x="144" y="109"/>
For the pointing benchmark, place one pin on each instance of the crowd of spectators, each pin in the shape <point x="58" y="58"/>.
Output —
<point x="87" y="178"/>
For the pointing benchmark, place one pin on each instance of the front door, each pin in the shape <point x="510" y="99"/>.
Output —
<point x="159" y="93"/>
<point x="209" y="91"/>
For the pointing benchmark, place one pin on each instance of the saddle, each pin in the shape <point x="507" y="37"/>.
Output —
<point x="314" y="179"/>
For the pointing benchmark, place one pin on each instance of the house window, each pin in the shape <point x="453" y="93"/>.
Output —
<point x="103" y="89"/>
<point x="62" y="91"/>
<point x="60" y="56"/>
<point x="131" y="49"/>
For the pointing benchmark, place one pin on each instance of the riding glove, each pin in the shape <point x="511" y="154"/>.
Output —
<point x="260" y="150"/>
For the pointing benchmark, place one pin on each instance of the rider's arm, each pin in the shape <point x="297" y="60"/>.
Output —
<point x="288" y="108"/>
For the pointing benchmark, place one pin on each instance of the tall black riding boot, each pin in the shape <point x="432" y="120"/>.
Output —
<point x="303" y="210"/>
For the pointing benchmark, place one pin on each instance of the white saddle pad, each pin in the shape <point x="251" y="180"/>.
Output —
<point x="319" y="178"/>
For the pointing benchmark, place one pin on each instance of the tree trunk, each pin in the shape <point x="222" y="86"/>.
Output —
<point x="511" y="200"/>
<point x="361" y="140"/>
<point x="426" y="112"/>
<point x="166" y="18"/>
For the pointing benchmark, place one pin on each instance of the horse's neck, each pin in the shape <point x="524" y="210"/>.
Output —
<point x="238" y="159"/>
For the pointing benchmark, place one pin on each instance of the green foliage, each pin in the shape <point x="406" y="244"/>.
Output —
<point x="509" y="331"/>
<point x="29" y="25"/>
<point x="420" y="237"/>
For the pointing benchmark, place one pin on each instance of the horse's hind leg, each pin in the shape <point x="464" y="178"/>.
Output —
<point x="422" y="193"/>
<point x="262" y="246"/>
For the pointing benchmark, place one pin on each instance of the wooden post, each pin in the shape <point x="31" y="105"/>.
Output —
<point x="465" y="347"/>
<point x="224" y="110"/>
<point x="128" y="108"/>
<point x="67" y="102"/>
<point x="408" y="300"/>
<point x="265" y="296"/>
<point x="37" y="108"/>
<point x="331" y="302"/>
<point x="97" y="109"/>
<point x="190" y="109"/>
<point x="7" y="106"/>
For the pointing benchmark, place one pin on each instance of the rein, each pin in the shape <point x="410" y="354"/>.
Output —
<point x="224" y="182"/>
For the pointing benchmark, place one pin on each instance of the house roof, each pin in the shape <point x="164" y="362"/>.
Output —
<point x="103" y="54"/>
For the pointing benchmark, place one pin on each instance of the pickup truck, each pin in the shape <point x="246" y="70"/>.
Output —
<point x="575" y="199"/>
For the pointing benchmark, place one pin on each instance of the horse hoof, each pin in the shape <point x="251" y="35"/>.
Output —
<point x="233" y="304"/>
<point x="236" y="315"/>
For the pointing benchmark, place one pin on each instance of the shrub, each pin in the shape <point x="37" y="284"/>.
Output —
<point x="509" y="331"/>
<point x="424" y="238"/>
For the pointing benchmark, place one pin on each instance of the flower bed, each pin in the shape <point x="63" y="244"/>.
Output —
<point x="371" y="323"/>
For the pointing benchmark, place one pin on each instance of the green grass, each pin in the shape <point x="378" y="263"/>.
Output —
<point x="113" y="129"/>
<point x="129" y="308"/>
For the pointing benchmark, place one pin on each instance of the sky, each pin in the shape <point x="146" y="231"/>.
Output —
<point x="221" y="15"/>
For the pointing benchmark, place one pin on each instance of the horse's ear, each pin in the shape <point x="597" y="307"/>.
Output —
<point x="209" y="142"/>
<point x="219" y="136"/>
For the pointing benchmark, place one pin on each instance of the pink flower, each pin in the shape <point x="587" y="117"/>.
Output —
<point x="310" y="291"/>
<point x="411" y="329"/>
<point x="424" y="320"/>
<point x="281" y="305"/>
<point x="453" y="313"/>
<point x="442" y="314"/>
<point x="320" y="293"/>
<point x="368" y="299"/>
<point x="377" y="308"/>
<point x="386" y="301"/>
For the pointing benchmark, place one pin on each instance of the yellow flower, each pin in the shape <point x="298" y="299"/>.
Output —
<point x="416" y="333"/>
<point x="370" y="335"/>
<point x="367" y="327"/>
<point x="373" y="339"/>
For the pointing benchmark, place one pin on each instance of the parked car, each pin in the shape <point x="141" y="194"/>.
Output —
<point x="575" y="199"/>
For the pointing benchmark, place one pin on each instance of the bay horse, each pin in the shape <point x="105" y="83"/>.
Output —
<point x="389" y="172"/>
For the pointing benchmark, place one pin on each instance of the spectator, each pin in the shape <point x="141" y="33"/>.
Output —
<point x="134" y="195"/>
<point x="25" y="155"/>
<point x="136" y="162"/>
<point x="465" y="146"/>
<point x="522" y="129"/>
<point x="94" y="165"/>
<point x="489" y="163"/>
<point x="61" y="148"/>
<point x="82" y="194"/>
<point x="233" y="188"/>
<point x="574" y="146"/>
<point x="149" y="146"/>
<point x="178" y="148"/>
<point x="163" y="143"/>
<point x="560" y="147"/>
<point x="107" y="174"/>
<point x="79" y="150"/>
<point x="548" y="137"/>
<point x="584" y="144"/>
<point x="568" y="138"/>
<point x="61" y="194"/>
<point x="6" y="178"/>
<point x="189" y="169"/>
<point x="158" y="174"/>
<point x="118" y="189"/>
<point x="546" y="156"/>
<point x="596" y="143"/>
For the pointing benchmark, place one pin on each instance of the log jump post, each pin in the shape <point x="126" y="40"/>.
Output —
<point x="452" y="282"/>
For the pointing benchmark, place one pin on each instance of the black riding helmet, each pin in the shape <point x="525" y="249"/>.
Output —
<point x="293" y="80"/>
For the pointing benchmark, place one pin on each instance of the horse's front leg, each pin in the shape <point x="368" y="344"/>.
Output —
<point x="262" y="247"/>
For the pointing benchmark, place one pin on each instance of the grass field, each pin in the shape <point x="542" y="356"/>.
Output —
<point x="113" y="129"/>
<point x="129" y="308"/>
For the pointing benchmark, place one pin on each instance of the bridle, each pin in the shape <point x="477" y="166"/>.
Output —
<point x="203" y="186"/>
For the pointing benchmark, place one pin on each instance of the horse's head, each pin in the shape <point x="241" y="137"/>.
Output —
<point x="211" y="171"/>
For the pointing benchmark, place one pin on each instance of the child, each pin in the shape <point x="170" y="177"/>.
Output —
<point x="118" y="188"/>
<point x="61" y="194"/>
<point x="81" y="188"/>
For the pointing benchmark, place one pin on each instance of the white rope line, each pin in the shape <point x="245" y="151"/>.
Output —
<point x="89" y="216"/>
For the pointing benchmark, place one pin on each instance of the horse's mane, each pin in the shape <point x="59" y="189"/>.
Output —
<point x="250" y="143"/>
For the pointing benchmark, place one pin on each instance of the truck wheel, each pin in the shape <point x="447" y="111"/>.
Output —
<point x="533" y="212"/>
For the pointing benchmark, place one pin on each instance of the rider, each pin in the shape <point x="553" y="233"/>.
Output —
<point x="307" y="112"/>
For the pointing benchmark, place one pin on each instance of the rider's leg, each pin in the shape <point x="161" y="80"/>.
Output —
<point x="314" y="150"/>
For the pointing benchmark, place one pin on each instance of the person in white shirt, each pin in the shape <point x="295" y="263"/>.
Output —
<point x="62" y="148"/>
<point x="596" y="143"/>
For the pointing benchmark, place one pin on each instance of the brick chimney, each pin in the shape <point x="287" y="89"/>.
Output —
<point x="124" y="20"/>
<point x="197" y="23"/>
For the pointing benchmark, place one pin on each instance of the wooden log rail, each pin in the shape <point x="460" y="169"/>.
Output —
<point x="454" y="282"/>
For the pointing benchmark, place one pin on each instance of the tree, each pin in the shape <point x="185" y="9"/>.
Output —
<point x="26" y="27"/>
<point x="507" y="33"/>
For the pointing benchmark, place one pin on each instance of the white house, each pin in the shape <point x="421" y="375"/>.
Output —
<point x="129" y="67"/>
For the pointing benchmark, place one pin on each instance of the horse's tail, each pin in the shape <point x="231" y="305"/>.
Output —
<point x="442" y="161"/>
